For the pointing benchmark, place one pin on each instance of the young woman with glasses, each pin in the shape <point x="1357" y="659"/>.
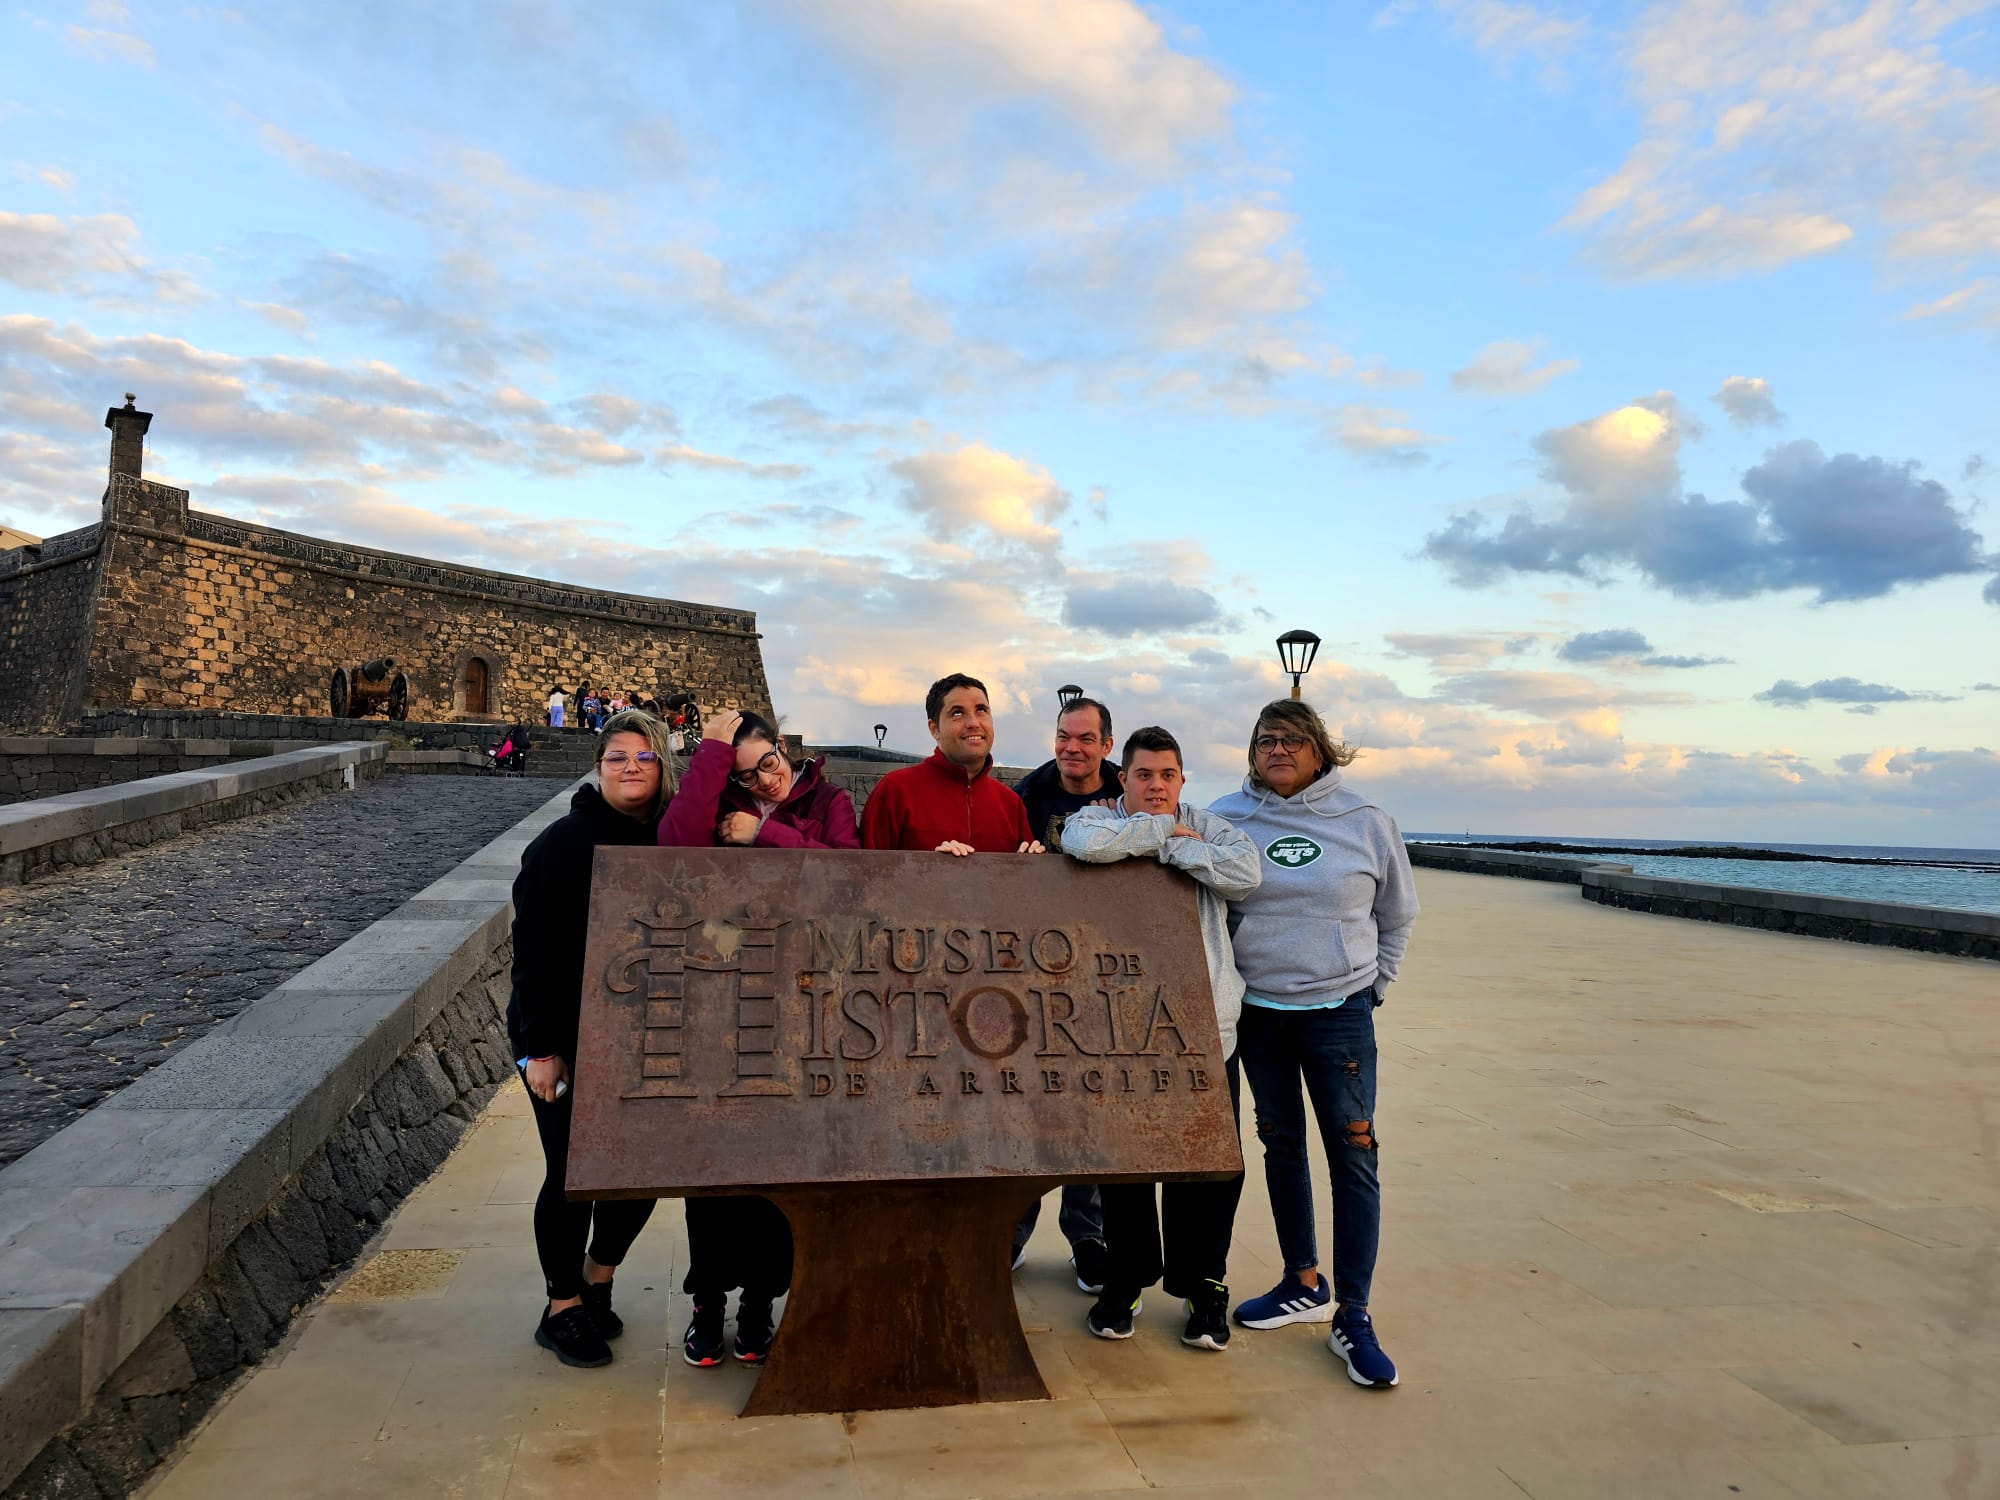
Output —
<point x="742" y="789"/>
<point x="635" y="774"/>
<point x="1316" y="943"/>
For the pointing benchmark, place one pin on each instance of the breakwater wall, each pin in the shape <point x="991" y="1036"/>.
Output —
<point x="1888" y="924"/>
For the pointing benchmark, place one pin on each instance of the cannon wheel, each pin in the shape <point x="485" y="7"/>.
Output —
<point x="338" y="698"/>
<point x="399" y="697"/>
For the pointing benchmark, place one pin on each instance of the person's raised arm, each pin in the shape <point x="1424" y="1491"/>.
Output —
<point x="1223" y="857"/>
<point x="1098" y="836"/>
<point x="690" y="819"/>
<point x="836" y="810"/>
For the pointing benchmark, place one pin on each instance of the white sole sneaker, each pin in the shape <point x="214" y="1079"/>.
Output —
<point x="1300" y="1315"/>
<point x="1084" y="1286"/>
<point x="1333" y="1343"/>
<point x="1112" y="1333"/>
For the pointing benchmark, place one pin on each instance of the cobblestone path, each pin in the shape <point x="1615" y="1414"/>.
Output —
<point x="105" y="970"/>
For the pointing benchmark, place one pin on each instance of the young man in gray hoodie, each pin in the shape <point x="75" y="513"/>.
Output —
<point x="1149" y="821"/>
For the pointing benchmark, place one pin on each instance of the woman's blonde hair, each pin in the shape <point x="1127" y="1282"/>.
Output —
<point x="658" y="736"/>
<point x="1304" y="719"/>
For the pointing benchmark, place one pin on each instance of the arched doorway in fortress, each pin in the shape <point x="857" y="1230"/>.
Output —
<point x="475" y="692"/>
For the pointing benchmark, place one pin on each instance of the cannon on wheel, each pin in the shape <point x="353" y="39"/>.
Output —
<point x="373" y="685"/>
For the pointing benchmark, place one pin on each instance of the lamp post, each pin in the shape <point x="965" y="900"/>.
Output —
<point x="1067" y="694"/>
<point x="881" y="733"/>
<point x="1296" y="650"/>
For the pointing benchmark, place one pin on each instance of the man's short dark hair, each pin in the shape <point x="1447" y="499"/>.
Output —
<point x="1152" y="737"/>
<point x="1103" y="715"/>
<point x="943" y="688"/>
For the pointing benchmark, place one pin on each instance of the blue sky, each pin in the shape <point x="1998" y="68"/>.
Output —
<point x="1610" y="386"/>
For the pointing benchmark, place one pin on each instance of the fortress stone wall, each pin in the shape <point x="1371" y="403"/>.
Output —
<point x="160" y="607"/>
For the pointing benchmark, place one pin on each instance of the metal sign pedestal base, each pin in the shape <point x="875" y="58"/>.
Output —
<point x="904" y="1296"/>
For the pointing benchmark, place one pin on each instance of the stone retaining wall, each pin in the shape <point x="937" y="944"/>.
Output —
<point x="48" y="834"/>
<point x="48" y="765"/>
<point x="153" y="1251"/>
<point x="1924" y="929"/>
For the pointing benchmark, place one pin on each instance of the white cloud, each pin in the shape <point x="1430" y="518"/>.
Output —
<point x="93" y="255"/>
<point x="1775" y="132"/>
<point x="1379" y="434"/>
<point x="675" y="455"/>
<point x="112" y="46"/>
<point x="1507" y="368"/>
<point x="1103" y="67"/>
<point x="978" y="488"/>
<point x="1749" y="402"/>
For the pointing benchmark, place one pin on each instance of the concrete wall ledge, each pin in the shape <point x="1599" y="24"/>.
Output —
<point x="1931" y="929"/>
<point x="109" y="1224"/>
<point x="34" y="834"/>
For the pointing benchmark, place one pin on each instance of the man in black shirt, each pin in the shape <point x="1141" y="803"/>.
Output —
<point x="1080" y="774"/>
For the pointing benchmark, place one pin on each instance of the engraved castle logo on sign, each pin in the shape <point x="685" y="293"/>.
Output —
<point x="1292" y="851"/>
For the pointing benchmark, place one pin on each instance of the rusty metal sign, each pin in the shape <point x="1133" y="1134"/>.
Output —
<point x="761" y="1020"/>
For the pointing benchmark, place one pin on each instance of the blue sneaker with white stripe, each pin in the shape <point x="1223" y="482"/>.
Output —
<point x="1290" y="1301"/>
<point x="1353" y="1339"/>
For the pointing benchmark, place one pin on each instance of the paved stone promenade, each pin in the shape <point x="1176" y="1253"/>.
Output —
<point x="105" y="969"/>
<point x="1672" y="1210"/>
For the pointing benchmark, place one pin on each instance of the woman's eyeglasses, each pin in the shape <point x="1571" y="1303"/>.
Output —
<point x="768" y="766"/>
<point x="619" y="759"/>
<point x="1264" y="744"/>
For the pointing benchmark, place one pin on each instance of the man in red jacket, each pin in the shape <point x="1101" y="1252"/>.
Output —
<point x="950" y="803"/>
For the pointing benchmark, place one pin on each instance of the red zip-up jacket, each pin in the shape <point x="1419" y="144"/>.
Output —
<point x="921" y="806"/>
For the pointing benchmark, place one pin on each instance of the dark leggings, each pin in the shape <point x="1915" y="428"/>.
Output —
<point x="562" y="1227"/>
<point x="737" y="1241"/>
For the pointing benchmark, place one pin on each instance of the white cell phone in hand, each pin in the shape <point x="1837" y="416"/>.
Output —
<point x="562" y="1084"/>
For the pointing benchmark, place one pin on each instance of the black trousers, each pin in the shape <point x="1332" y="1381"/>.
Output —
<point x="562" y="1228"/>
<point x="1200" y="1218"/>
<point x="737" y="1242"/>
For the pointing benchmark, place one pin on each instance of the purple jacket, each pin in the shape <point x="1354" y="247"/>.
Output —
<point x="816" y="815"/>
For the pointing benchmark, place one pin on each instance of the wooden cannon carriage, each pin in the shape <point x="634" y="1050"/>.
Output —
<point x="373" y="685"/>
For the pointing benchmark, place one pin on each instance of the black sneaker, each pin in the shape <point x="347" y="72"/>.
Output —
<point x="1111" y="1315"/>
<point x="753" y="1329"/>
<point x="1090" y="1259"/>
<point x="573" y="1338"/>
<point x="1208" y="1318"/>
<point x="597" y="1298"/>
<point x="702" y="1344"/>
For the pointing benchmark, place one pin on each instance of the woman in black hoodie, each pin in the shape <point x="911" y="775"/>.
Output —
<point x="635" y="773"/>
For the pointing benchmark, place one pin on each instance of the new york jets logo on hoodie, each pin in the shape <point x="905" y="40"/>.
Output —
<point x="1292" y="851"/>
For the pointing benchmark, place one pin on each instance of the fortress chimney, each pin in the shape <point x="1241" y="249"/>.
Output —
<point x="128" y="437"/>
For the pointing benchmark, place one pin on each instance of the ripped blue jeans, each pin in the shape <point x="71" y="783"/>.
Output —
<point x="1332" y="1054"/>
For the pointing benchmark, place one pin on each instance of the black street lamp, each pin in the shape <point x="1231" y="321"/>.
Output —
<point x="1067" y="694"/>
<point x="1296" y="650"/>
<point x="881" y="733"/>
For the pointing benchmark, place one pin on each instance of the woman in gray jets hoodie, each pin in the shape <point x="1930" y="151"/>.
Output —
<point x="1315" y="944"/>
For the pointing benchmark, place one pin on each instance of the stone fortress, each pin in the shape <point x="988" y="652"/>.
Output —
<point x="158" y="610"/>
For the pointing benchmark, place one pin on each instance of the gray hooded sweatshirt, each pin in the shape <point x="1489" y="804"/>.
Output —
<point x="1333" y="912"/>
<point x="1222" y="861"/>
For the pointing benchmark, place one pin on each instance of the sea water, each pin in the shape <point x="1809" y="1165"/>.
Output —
<point x="1964" y="879"/>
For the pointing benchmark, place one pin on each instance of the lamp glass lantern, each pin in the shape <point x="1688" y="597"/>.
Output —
<point x="881" y="733"/>
<point x="1296" y="650"/>
<point x="1067" y="694"/>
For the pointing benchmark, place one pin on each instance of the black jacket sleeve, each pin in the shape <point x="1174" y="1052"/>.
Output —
<point x="551" y="914"/>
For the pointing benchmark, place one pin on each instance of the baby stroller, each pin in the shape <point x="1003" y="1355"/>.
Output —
<point x="683" y="717"/>
<point x="509" y="754"/>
